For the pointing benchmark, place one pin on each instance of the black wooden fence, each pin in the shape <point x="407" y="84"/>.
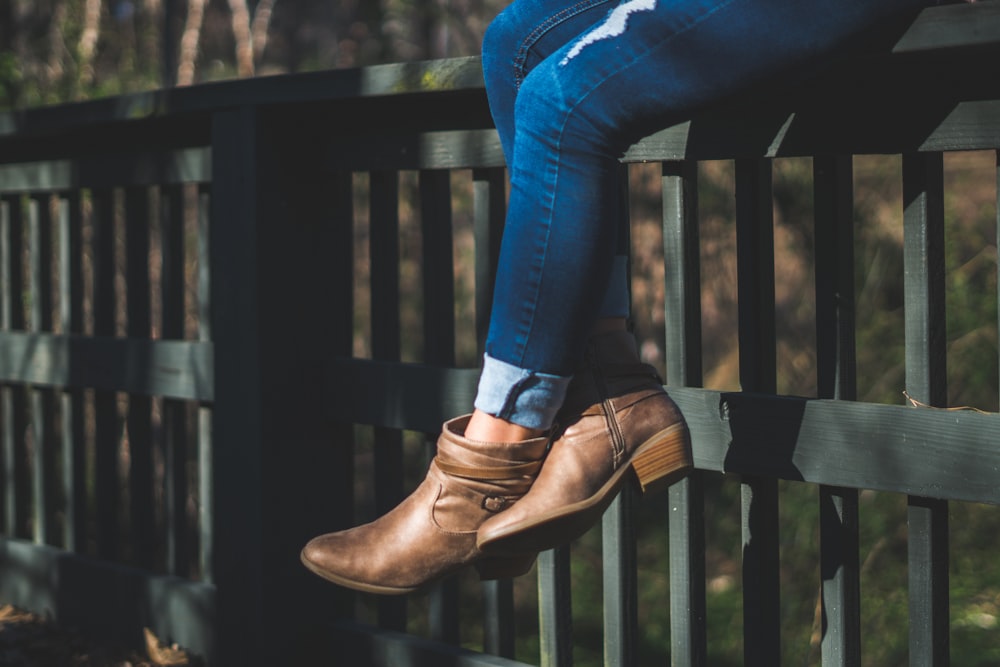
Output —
<point x="182" y="369"/>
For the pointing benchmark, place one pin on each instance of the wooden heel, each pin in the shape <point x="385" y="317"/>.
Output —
<point x="503" y="567"/>
<point x="663" y="458"/>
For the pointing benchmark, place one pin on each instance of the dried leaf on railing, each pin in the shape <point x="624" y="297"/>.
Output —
<point x="961" y="408"/>
<point x="163" y="655"/>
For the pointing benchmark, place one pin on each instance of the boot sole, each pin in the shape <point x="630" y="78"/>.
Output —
<point x="660" y="461"/>
<point x="490" y="567"/>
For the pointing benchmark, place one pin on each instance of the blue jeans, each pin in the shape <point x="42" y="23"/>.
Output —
<point x="571" y="85"/>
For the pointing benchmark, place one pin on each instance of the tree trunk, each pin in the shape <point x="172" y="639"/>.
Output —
<point x="88" y="41"/>
<point x="57" y="45"/>
<point x="241" y="31"/>
<point x="189" y="42"/>
<point x="258" y="29"/>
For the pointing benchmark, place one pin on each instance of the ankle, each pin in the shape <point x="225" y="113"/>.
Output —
<point x="487" y="428"/>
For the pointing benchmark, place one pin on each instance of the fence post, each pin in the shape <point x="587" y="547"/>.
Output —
<point x="278" y="474"/>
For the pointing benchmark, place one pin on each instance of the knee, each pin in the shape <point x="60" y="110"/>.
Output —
<point x="499" y="48"/>
<point x="549" y="111"/>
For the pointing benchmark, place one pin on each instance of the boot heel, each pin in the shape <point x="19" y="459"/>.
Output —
<point x="504" y="567"/>
<point x="663" y="458"/>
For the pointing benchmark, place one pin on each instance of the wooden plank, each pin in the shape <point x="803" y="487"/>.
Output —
<point x="828" y="126"/>
<point x="498" y="618"/>
<point x="206" y="454"/>
<point x="106" y="432"/>
<point x="177" y="369"/>
<point x="108" y="601"/>
<point x="490" y="208"/>
<point x="386" y="342"/>
<point x="924" y="277"/>
<point x="437" y="149"/>
<point x="438" y="267"/>
<point x="439" y="346"/>
<point x="755" y="287"/>
<point x="70" y="226"/>
<point x="271" y="245"/>
<point x="840" y="576"/>
<point x="755" y="281"/>
<point x="175" y="433"/>
<point x="926" y="381"/>
<point x="42" y="399"/>
<point x="688" y="608"/>
<point x="952" y="27"/>
<point x="453" y="75"/>
<point x="836" y="373"/>
<point x="555" y="618"/>
<point x="340" y="302"/>
<point x="352" y="643"/>
<point x="686" y="529"/>
<point x="833" y="198"/>
<point x="238" y="559"/>
<point x="858" y="445"/>
<point x="187" y="165"/>
<point x="138" y="313"/>
<point x="621" y="612"/>
<point x="682" y="264"/>
<point x="413" y="80"/>
<point x="925" y="452"/>
<point x="14" y="398"/>
<point x="394" y="395"/>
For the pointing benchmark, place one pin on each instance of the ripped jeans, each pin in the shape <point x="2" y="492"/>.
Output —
<point x="571" y="85"/>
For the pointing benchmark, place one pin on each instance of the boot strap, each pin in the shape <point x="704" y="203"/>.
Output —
<point x="487" y="472"/>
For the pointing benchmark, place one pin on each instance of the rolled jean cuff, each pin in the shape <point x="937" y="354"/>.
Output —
<point x="616" y="298"/>
<point x="527" y="398"/>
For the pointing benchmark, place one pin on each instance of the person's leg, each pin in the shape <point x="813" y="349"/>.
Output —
<point x="648" y="65"/>
<point x="484" y="463"/>
<point x="522" y="36"/>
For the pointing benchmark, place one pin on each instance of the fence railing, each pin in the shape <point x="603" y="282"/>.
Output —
<point x="234" y="316"/>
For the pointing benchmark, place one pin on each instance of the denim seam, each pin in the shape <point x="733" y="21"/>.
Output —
<point x="532" y="37"/>
<point x="561" y="133"/>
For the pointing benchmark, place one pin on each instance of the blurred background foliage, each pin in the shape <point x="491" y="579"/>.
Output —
<point x="54" y="51"/>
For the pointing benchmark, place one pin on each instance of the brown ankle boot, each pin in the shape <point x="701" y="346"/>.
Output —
<point x="616" y="418"/>
<point x="432" y="533"/>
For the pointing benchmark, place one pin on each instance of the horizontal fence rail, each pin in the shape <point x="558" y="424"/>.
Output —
<point x="234" y="316"/>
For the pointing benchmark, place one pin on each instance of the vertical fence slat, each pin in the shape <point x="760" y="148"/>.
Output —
<point x="488" y="217"/>
<point x="385" y="323"/>
<point x="342" y="344"/>
<point x="71" y="400"/>
<point x="836" y="370"/>
<point x="7" y="495"/>
<point x="490" y="210"/>
<point x="139" y="421"/>
<point x="42" y="399"/>
<point x="206" y="495"/>
<point x="12" y="316"/>
<point x="682" y="266"/>
<point x="618" y="528"/>
<point x="681" y="251"/>
<point x="924" y="270"/>
<point x="618" y="534"/>
<point x="105" y="409"/>
<point x="755" y="282"/>
<point x="439" y="344"/>
<point x="175" y="427"/>
<point x="555" y="620"/>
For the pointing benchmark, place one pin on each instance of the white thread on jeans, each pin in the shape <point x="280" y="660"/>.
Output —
<point x="613" y="26"/>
